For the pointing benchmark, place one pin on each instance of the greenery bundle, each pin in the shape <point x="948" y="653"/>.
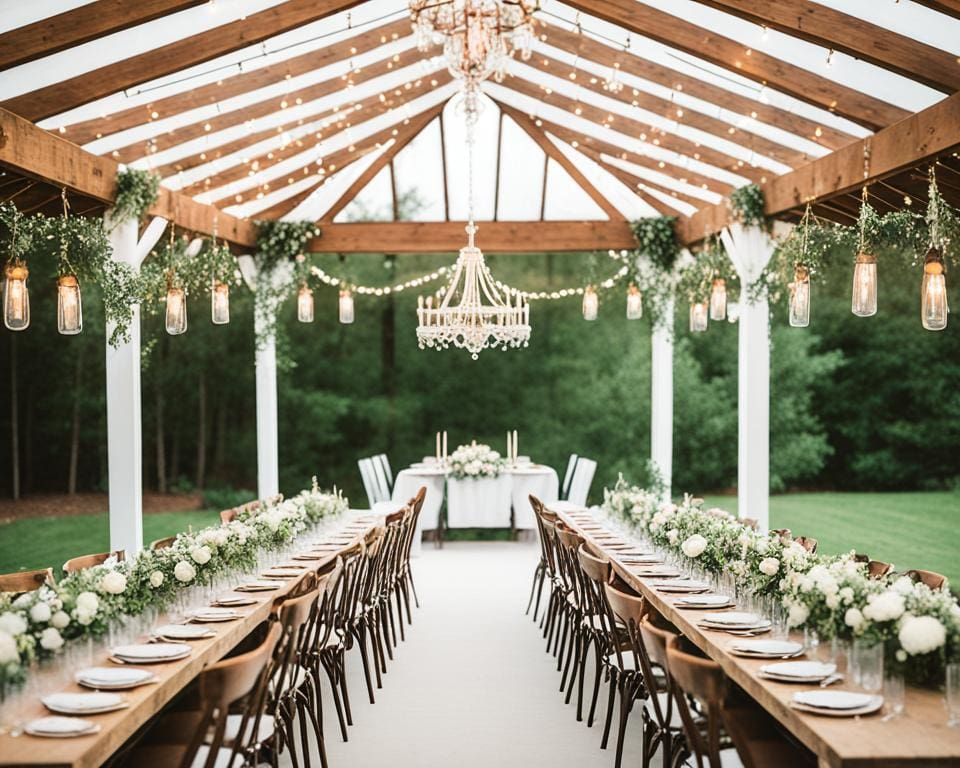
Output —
<point x="657" y="249"/>
<point x="696" y="278"/>
<point x="137" y="191"/>
<point x="748" y="204"/>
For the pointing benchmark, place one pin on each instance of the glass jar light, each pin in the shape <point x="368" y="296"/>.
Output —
<point x="634" y="303"/>
<point x="864" y="303"/>
<point x="718" y="299"/>
<point x="933" y="292"/>
<point x="176" y="315"/>
<point x="69" y="309"/>
<point x="699" y="312"/>
<point x="346" y="306"/>
<point x="16" y="299"/>
<point x="220" y="303"/>
<point x="800" y="297"/>
<point x="591" y="303"/>
<point x="305" y="305"/>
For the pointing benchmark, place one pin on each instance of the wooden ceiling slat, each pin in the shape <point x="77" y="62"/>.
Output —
<point x="664" y="140"/>
<point x="594" y="50"/>
<point x="81" y="25"/>
<point x="181" y="54"/>
<point x="642" y="19"/>
<point x="822" y="25"/>
<point x="272" y="105"/>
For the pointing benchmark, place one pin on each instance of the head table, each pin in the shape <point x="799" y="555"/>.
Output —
<point x="919" y="737"/>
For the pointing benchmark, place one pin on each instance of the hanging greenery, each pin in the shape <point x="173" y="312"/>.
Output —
<point x="136" y="193"/>
<point x="748" y="205"/>
<point x="696" y="279"/>
<point x="657" y="240"/>
<point x="282" y="241"/>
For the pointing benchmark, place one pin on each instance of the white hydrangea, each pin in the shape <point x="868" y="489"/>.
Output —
<point x="853" y="618"/>
<point x="694" y="546"/>
<point x="201" y="555"/>
<point x="156" y="579"/>
<point x="60" y="619"/>
<point x="904" y="585"/>
<point x="184" y="572"/>
<point x="797" y="614"/>
<point x="769" y="566"/>
<point x="887" y="606"/>
<point x="921" y="634"/>
<point x="8" y="649"/>
<point x="51" y="639"/>
<point x="40" y="613"/>
<point x="846" y="595"/>
<point x="88" y="602"/>
<point x="672" y="536"/>
<point x="113" y="583"/>
<point x="12" y="623"/>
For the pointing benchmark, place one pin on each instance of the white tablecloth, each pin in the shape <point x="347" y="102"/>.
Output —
<point x="479" y="503"/>
<point x="540" y="481"/>
<point x="405" y="487"/>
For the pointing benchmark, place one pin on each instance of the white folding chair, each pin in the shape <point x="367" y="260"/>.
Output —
<point x="385" y="462"/>
<point x="568" y="478"/>
<point x="582" y="479"/>
<point x="369" y="477"/>
<point x="380" y="477"/>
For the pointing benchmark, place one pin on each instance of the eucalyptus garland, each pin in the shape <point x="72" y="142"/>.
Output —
<point x="748" y="205"/>
<point x="657" y="252"/>
<point x="137" y="191"/>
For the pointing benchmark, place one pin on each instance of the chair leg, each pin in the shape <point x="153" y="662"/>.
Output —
<point x="588" y="639"/>
<point x="572" y="650"/>
<point x="304" y="739"/>
<point x="537" y="577"/>
<point x="626" y="704"/>
<point x="561" y="641"/>
<point x="361" y="635"/>
<point x="536" y="606"/>
<point x="342" y="673"/>
<point x="610" y="702"/>
<point x="398" y="600"/>
<point x="598" y="672"/>
<point x="330" y="668"/>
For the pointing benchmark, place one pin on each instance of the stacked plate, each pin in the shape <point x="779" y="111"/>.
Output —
<point x="798" y="671"/>
<point x="682" y="585"/>
<point x="766" y="649"/>
<point x="628" y="559"/>
<point x="214" y="614"/>
<point x="56" y="727"/>
<point x="83" y="703"/>
<point x="231" y="601"/>
<point x="703" y="601"/>
<point x="836" y="703"/>
<point x="151" y="653"/>
<point x="279" y="573"/>
<point x="113" y="678"/>
<point x="660" y="571"/>
<point x="735" y="621"/>
<point x="309" y="556"/>
<point x="183" y="632"/>
<point x="257" y="586"/>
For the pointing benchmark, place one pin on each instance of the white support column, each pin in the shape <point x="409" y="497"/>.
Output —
<point x="124" y="435"/>
<point x="750" y="249"/>
<point x="661" y="396"/>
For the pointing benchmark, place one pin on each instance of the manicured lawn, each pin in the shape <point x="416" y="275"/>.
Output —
<point x="910" y="530"/>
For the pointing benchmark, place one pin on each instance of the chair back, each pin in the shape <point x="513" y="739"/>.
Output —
<point x="581" y="482"/>
<point x="877" y="569"/>
<point x="569" y="541"/>
<point x="808" y="543"/>
<point x="568" y="476"/>
<point x="163" y="543"/>
<point x="26" y="581"/>
<point x="228" y="515"/>
<point x="930" y="578"/>
<point x="380" y="475"/>
<point x="83" y="562"/>
<point x="369" y="477"/>
<point x="387" y="472"/>
<point x="546" y="531"/>
<point x="703" y="680"/>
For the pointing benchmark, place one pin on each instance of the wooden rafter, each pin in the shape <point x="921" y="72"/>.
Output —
<point x="669" y="141"/>
<point x="405" y="134"/>
<point x="37" y="154"/>
<point x="181" y="54"/>
<point x="918" y="139"/>
<point x="270" y="106"/>
<point x="584" y="45"/>
<point x="492" y="236"/>
<point x="822" y="25"/>
<point x="237" y="84"/>
<point x="642" y="19"/>
<point x="553" y="151"/>
<point x="80" y="25"/>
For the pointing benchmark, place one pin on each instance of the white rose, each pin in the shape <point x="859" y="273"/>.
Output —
<point x="832" y="601"/>
<point x="113" y="582"/>
<point x="13" y="623"/>
<point x="769" y="566"/>
<point x="60" y="619"/>
<point x="156" y="579"/>
<point x="183" y="571"/>
<point x="672" y="535"/>
<point x="798" y="615"/>
<point x="762" y="546"/>
<point x="8" y="648"/>
<point x="88" y="602"/>
<point x="85" y="617"/>
<point x="886" y="606"/>
<point x="853" y="618"/>
<point x="200" y="555"/>
<point x="40" y="613"/>
<point x="50" y="639"/>
<point x="921" y="634"/>
<point x="846" y="594"/>
<point x="694" y="546"/>
<point x="806" y="584"/>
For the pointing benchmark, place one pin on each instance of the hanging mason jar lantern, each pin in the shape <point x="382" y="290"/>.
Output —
<point x="733" y="311"/>
<point x="69" y="310"/>
<point x="591" y="303"/>
<point x="800" y="297"/>
<point x="699" y="312"/>
<point x="718" y="299"/>
<point x="933" y="292"/>
<point x="864" y="303"/>
<point x="16" y="299"/>
<point x="220" y="303"/>
<point x="305" y="304"/>
<point x="176" y="315"/>
<point x="346" y="306"/>
<point x="634" y="303"/>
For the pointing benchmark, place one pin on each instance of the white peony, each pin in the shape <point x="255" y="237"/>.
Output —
<point x="50" y="639"/>
<point x="201" y="555"/>
<point x="12" y="623"/>
<point x="853" y="618"/>
<point x="60" y="619"/>
<point x="762" y="546"/>
<point x="672" y="535"/>
<point x="8" y="648"/>
<point x="886" y="606"/>
<point x="833" y="602"/>
<point x="40" y="613"/>
<point x="846" y="594"/>
<point x="113" y="583"/>
<point x="769" y="566"/>
<point x="183" y="571"/>
<point x="694" y="546"/>
<point x="88" y="602"/>
<point x="797" y="615"/>
<point x="921" y="634"/>
<point x="156" y="579"/>
<point x="903" y="585"/>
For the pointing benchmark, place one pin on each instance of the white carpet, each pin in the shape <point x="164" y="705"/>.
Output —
<point x="472" y="685"/>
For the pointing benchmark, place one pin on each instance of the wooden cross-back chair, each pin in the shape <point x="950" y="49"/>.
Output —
<point x="83" y="562"/>
<point x="26" y="581"/>
<point x="229" y="515"/>
<point x="546" y="567"/>
<point x="930" y="578"/>
<point x="163" y="543"/>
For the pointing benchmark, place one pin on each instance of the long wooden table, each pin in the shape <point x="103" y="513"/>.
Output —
<point x="918" y="737"/>
<point x="116" y="728"/>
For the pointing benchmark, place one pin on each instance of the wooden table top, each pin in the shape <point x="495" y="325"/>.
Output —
<point x="918" y="737"/>
<point x="117" y="727"/>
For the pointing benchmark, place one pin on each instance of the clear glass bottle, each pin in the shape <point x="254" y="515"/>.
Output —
<point x="800" y="297"/>
<point x="69" y="309"/>
<point x="16" y="297"/>
<point x="864" y="302"/>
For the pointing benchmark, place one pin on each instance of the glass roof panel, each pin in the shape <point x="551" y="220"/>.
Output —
<point x="373" y="203"/>
<point x="484" y="160"/>
<point x="521" y="175"/>
<point x="565" y="199"/>
<point x="419" y="169"/>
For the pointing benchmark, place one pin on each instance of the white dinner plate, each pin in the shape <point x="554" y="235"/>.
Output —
<point x="279" y="573"/>
<point x="703" y="601"/>
<point x="765" y="649"/>
<point x="257" y="586"/>
<point x="68" y="703"/>
<point x="57" y="727"/>
<point x="799" y="671"/>
<point x="114" y="678"/>
<point x="230" y="601"/>
<point x="183" y="632"/>
<point x="733" y="619"/>
<point x="837" y="703"/>
<point x="214" y="614"/>
<point x="151" y="653"/>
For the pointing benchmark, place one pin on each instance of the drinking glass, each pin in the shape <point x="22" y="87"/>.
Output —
<point x="811" y="642"/>
<point x="953" y="695"/>
<point x="870" y="664"/>
<point x="841" y="656"/>
<point x="894" y="693"/>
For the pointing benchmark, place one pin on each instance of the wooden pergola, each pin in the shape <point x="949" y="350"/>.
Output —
<point x="286" y="109"/>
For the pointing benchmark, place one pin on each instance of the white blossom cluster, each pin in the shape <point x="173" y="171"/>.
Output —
<point x="475" y="461"/>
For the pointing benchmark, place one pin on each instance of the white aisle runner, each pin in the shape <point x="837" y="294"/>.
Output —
<point x="472" y="686"/>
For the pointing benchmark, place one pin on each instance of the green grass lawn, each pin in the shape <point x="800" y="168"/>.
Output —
<point x="910" y="530"/>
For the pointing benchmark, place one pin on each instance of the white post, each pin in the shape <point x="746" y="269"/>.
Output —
<point x="750" y="249"/>
<point x="661" y="396"/>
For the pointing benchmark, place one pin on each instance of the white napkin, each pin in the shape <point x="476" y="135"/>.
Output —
<point x="733" y="618"/>
<point x="151" y="651"/>
<point x="778" y="647"/>
<point x="833" y="699"/>
<point x="82" y="702"/>
<point x="59" y="726"/>
<point x="113" y="675"/>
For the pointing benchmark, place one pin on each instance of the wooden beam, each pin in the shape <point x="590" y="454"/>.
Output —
<point x="37" y="154"/>
<point x="673" y="31"/>
<point x="173" y="57"/>
<point x="80" y="25"/>
<point x="405" y="134"/>
<point x="949" y="7"/>
<point x="911" y="142"/>
<point x="235" y="85"/>
<point x="273" y="105"/>
<point x="822" y="25"/>
<point x="492" y="236"/>
<point x="594" y="50"/>
<point x="553" y="151"/>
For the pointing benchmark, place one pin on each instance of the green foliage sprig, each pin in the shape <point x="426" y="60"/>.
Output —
<point x="282" y="241"/>
<point x="748" y="205"/>
<point x="696" y="279"/>
<point x="657" y="240"/>
<point x="137" y="191"/>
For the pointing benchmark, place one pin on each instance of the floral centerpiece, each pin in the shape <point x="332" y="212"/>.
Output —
<point x="475" y="461"/>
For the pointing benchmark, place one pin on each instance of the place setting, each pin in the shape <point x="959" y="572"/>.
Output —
<point x="701" y="601"/>
<point x="735" y="622"/>
<point x="175" y="632"/>
<point x="800" y="672"/>
<point x="684" y="585"/>
<point x="766" y="649"/>
<point x="149" y="653"/>
<point x="234" y="601"/>
<point x="280" y="573"/>
<point x="114" y="678"/>
<point x="660" y="571"/>
<point x="61" y="727"/>
<point x="258" y="585"/>
<point x="86" y="703"/>
<point x="211" y="615"/>
<point x="837" y="703"/>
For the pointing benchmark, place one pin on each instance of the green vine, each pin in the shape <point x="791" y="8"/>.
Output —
<point x="137" y="191"/>
<point x="696" y="279"/>
<point x="748" y="205"/>
<point x="657" y="251"/>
